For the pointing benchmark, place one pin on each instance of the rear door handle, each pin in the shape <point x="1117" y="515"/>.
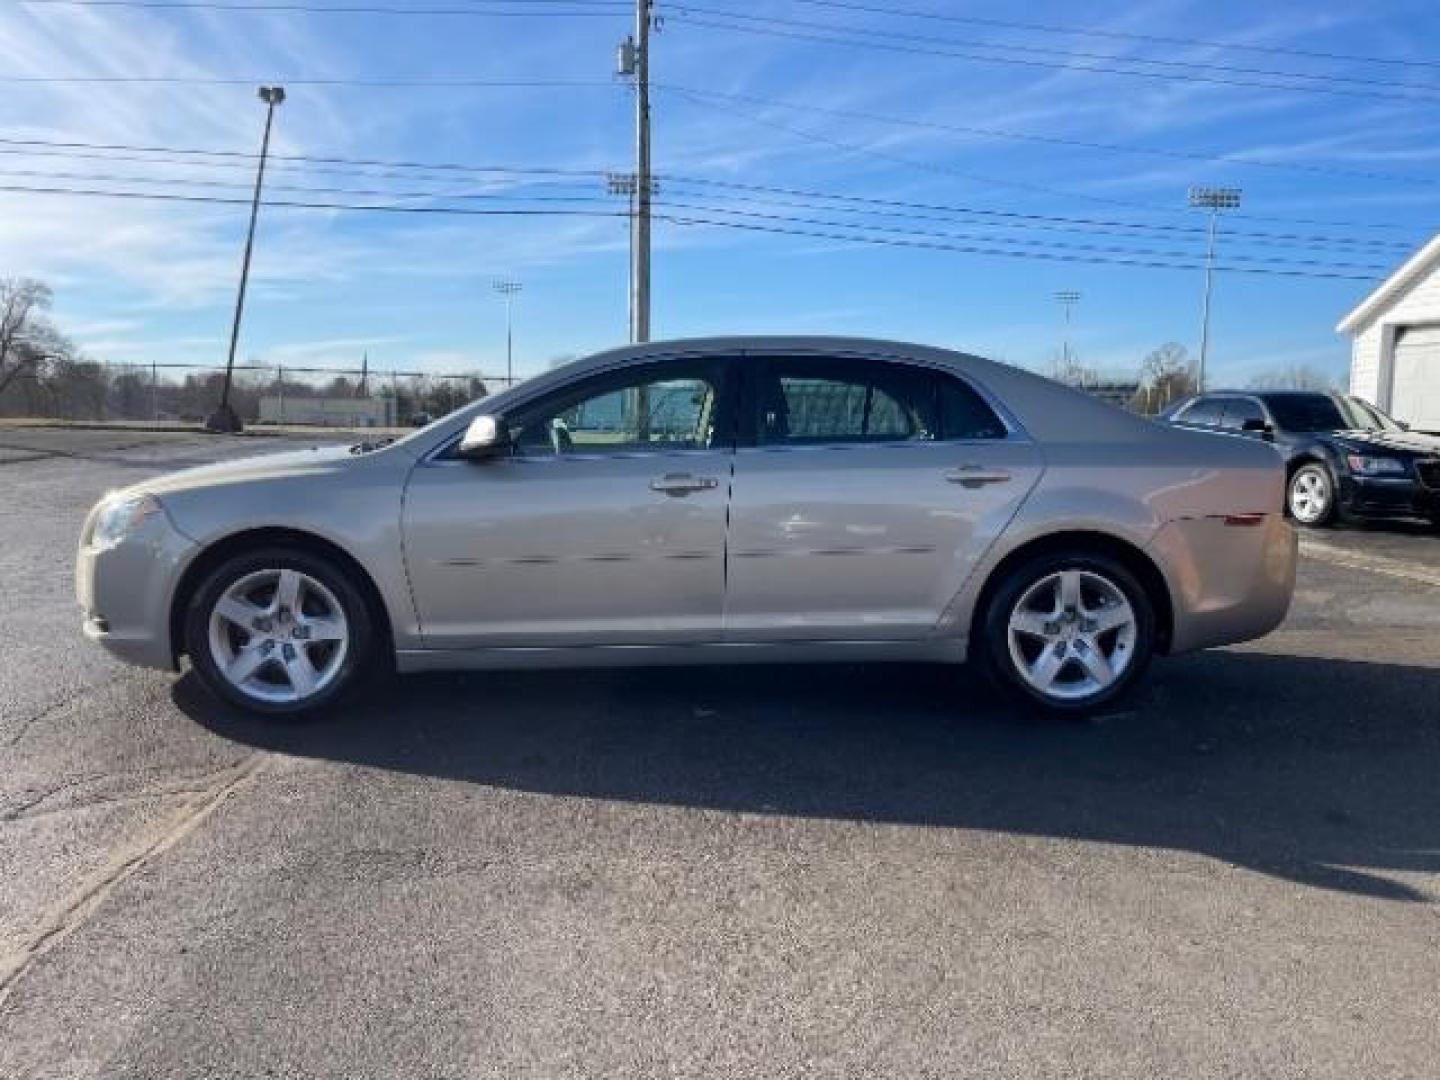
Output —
<point x="974" y="476"/>
<point x="678" y="484"/>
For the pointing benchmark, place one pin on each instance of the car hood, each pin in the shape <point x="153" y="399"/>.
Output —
<point x="314" y="461"/>
<point x="1402" y="442"/>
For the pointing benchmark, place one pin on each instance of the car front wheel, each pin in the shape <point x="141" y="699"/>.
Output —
<point x="1312" y="495"/>
<point x="1069" y="633"/>
<point x="278" y="631"/>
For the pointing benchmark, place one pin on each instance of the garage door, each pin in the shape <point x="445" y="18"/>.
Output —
<point x="1415" y="393"/>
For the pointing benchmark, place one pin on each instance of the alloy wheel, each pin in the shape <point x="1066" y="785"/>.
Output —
<point x="1072" y="635"/>
<point x="1309" y="496"/>
<point x="279" y="636"/>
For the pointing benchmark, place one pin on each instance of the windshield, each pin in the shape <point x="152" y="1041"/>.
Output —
<point x="1321" y="412"/>
<point x="1369" y="418"/>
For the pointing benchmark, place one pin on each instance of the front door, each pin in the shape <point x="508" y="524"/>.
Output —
<point x="870" y="492"/>
<point x="605" y="526"/>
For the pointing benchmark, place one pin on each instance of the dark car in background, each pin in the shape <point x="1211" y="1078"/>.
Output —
<point x="1344" y="457"/>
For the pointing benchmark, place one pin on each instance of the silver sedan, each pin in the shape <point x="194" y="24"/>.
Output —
<point x="732" y="500"/>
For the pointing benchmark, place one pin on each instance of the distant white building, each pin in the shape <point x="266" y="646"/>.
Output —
<point x="1395" y="355"/>
<point x="328" y="411"/>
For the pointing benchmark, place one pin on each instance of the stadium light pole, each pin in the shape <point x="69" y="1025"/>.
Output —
<point x="1067" y="299"/>
<point x="507" y="289"/>
<point x="1213" y="199"/>
<point x="225" y="418"/>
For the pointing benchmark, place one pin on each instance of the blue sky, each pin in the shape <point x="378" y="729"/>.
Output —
<point x="1351" y="176"/>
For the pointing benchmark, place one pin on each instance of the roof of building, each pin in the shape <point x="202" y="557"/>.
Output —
<point x="1390" y="290"/>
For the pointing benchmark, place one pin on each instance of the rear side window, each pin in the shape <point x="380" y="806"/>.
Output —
<point x="814" y="400"/>
<point x="964" y="414"/>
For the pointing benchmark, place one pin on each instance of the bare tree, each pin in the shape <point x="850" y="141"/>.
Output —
<point x="1293" y="377"/>
<point x="24" y="330"/>
<point x="1168" y="374"/>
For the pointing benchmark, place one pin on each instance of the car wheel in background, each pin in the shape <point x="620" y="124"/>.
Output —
<point x="1311" y="497"/>
<point x="278" y="631"/>
<point x="1069" y="633"/>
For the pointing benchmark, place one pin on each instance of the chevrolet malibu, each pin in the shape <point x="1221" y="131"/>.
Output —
<point x="728" y="500"/>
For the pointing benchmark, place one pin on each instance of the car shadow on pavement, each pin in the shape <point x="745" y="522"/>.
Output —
<point x="1318" y="771"/>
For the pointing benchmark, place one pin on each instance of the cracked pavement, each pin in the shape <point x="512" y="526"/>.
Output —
<point x="752" y="872"/>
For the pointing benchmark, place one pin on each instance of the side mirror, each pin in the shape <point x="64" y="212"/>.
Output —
<point x="486" y="437"/>
<point x="1404" y="425"/>
<point x="1261" y="427"/>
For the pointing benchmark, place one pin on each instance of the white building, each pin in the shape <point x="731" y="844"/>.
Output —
<point x="1395" y="354"/>
<point x="328" y="412"/>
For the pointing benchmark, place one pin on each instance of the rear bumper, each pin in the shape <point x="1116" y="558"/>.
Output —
<point x="1228" y="582"/>
<point x="125" y="591"/>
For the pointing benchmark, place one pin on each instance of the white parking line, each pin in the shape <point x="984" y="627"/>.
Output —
<point x="1376" y="564"/>
<point x="134" y="856"/>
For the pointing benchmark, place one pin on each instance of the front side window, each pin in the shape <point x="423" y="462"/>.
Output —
<point x="816" y="401"/>
<point x="1240" y="411"/>
<point x="1204" y="411"/>
<point x="660" y="407"/>
<point x="1306" y="412"/>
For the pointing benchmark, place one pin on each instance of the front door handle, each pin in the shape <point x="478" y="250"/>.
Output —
<point x="678" y="484"/>
<point x="974" y="476"/>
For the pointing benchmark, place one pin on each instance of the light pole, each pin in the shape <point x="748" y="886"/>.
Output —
<point x="507" y="288"/>
<point x="1213" y="199"/>
<point x="1067" y="299"/>
<point x="224" y="418"/>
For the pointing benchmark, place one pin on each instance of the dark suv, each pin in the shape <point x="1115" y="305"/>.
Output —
<point x="1345" y="457"/>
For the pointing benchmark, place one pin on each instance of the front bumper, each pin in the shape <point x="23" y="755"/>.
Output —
<point x="1229" y="582"/>
<point x="125" y="591"/>
<point x="1395" y="496"/>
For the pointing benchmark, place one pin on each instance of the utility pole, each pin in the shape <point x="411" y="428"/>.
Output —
<point x="1213" y="199"/>
<point x="634" y="63"/>
<point x="507" y="288"/>
<point x="1067" y="299"/>
<point x="224" y="418"/>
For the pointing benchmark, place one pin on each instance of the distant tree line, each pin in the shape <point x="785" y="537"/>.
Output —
<point x="44" y="374"/>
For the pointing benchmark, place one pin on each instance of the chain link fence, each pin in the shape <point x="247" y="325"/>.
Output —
<point x="185" y="394"/>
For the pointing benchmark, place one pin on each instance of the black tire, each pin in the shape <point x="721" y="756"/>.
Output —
<point x="994" y="648"/>
<point x="1313" y="473"/>
<point x="360" y="638"/>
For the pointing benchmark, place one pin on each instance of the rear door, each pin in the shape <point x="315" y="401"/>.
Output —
<point x="864" y="493"/>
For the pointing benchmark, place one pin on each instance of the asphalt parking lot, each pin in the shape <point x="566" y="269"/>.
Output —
<point x="759" y="872"/>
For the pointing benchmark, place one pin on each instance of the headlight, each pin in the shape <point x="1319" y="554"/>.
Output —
<point x="1362" y="465"/>
<point x="119" y="517"/>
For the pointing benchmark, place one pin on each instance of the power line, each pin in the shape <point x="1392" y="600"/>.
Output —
<point x="868" y="33"/>
<point x="938" y="244"/>
<point x="1048" y="140"/>
<point x="293" y="80"/>
<point x="1044" y="222"/>
<point x="523" y="8"/>
<point x="872" y="151"/>
<point x="468" y="196"/>
<point x="1055" y="245"/>
<point x="230" y="159"/>
<point x="826" y="204"/>
<point x="1112" y="35"/>
<point x="975" y="250"/>
<point x="438" y="166"/>
<point x="831" y="36"/>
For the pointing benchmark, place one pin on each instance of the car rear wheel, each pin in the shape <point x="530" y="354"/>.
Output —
<point x="1312" y="496"/>
<point x="278" y="631"/>
<point x="1069" y="633"/>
